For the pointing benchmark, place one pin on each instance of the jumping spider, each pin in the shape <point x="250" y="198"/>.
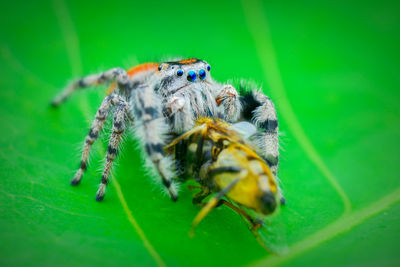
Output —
<point x="160" y="100"/>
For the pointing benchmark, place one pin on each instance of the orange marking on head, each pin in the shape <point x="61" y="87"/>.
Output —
<point x="142" y="67"/>
<point x="133" y="71"/>
<point x="187" y="61"/>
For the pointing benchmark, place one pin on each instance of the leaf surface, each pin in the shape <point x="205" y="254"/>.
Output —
<point x="331" y="69"/>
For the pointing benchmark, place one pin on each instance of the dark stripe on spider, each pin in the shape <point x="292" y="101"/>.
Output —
<point x="273" y="162"/>
<point x="112" y="151"/>
<point x="166" y="82"/>
<point x="141" y="101"/>
<point x="81" y="83"/>
<point x="138" y="111"/>
<point x="151" y="148"/>
<point x="100" y="118"/>
<point x="269" y="125"/>
<point x="118" y="71"/>
<point x="89" y="141"/>
<point x="249" y="104"/>
<point x="119" y="125"/>
<point x="166" y="182"/>
<point x="104" y="180"/>
<point x="152" y="111"/>
<point x="83" y="165"/>
<point x="93" y="134"/>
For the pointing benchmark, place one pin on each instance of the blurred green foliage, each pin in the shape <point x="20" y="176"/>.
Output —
<point x="332" y="69"/>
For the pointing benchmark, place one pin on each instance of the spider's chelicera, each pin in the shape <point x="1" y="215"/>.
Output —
<point x="164" y="100"/>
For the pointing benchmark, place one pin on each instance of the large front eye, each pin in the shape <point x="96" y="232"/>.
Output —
<point x="202" y="74"/>
<point x="191" y="76"/>
<point x="179" y="72"/>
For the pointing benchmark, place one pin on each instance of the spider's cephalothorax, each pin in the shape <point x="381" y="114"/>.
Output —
<point x="164" y="100"/>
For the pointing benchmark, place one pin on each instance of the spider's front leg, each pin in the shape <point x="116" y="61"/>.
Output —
<point x="151" y="128"/>
<point x="94" y="131"/>
<point x="121" y="110"/>
<point x="117" y="74"/>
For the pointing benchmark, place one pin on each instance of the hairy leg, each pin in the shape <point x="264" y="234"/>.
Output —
<point x="117" y="131"/>
<point x="117" y="74"/>
<point x="151" y="128"/>
<point x="260" y="110"/>
<point x="94" y="131"/>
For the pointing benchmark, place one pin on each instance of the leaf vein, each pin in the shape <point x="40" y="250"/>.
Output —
<point x="258" y="28"/>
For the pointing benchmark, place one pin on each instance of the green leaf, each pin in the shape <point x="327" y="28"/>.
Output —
<point x="331" y="68"/>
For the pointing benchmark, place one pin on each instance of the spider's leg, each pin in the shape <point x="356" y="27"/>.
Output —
<point x="117" y="74"/>
<point x="94" y="131"/>
<point x="260" y="110"/>
<point x="151" y="128"/>
<point x="228" y="98"/>
<point x="112" y="151"/>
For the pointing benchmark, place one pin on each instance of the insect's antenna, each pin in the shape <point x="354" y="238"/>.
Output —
<point x="210" y="205"/>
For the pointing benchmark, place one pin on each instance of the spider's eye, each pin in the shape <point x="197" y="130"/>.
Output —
<point x="179" y="72"/>
<point x="191" y="76"/>
<point x="159" y="68"/>
<point x="208" y="67"/>
<point x="202" y="74"/>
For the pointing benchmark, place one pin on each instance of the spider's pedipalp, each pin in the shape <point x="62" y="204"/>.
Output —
<point x="180" y="113"/>
<point x="228" y="98"/>
<point x="118" y="74"/>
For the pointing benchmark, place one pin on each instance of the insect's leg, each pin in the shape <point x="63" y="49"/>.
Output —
<point x="239" y="211"/>
<point x="94" y="131"/>
<point x="260" y="110"/>
<point x="152" y="129"/>
<point x="118" y="74"/>
<point x="253" y="224"/>
<point x="212" y="203"/>
<point x="117" y="131"/>
<point x="228" y="98"/>
<point x="198" y="198"/>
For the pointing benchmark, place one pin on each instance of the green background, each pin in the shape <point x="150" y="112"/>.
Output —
<point x="332" y="69"/>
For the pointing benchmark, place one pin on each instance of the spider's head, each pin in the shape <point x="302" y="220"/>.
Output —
<point x="176" y="75"/>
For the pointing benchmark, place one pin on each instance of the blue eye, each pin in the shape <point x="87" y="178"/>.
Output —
<point x="202" y="74"/>
<point x="191" y="76"/>
<point x="208" y="67"/>
<point x="179" y="72"/>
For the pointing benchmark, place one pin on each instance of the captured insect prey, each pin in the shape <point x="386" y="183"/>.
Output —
<point x="191" y="126"/>
<point x="229" y="170"/>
